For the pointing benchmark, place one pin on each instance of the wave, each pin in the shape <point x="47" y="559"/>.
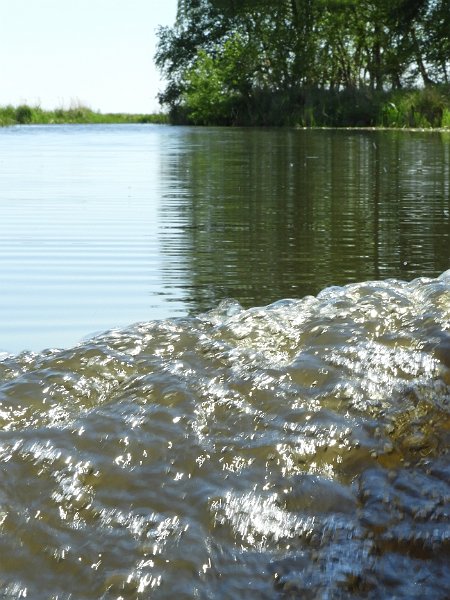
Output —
<point x="294" y="450"/>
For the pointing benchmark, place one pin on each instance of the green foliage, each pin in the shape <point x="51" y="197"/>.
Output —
<point x="7" y="116"/>
<point x="446" y="118"/>
<point x="310" y="61"/>
<point x="205" y="97"/>
<point x="430" y="104"/>
<point x="416" y="108"/>
<point x="24" y="115"/>
<point x="216" y="85"/>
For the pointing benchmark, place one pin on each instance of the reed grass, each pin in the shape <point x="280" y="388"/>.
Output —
<point x="422" y="108"/>
<point x="425" y="108"/>
<point x="35" y="115"/>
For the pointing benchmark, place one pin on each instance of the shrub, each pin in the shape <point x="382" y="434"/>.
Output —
<point x="424" y="107"/>
<point x="446" y="118"/>
<point x="24" y="114"/>
<point x="430" y="105"/>
<point x="7" y="115"/>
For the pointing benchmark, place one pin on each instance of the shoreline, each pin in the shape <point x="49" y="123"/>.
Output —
<point x="80" y="115"/>
<point x="11" y="116"/>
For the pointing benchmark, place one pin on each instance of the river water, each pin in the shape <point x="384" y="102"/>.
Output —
<point x="276" y="422"/>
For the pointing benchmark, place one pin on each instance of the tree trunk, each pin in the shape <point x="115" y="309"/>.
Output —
<point x="421" y="65"/>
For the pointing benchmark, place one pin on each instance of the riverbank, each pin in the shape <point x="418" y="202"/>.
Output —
<point x="416" y="108"/>
<point x="27" y="115"/>
<point x="413" y="109"/>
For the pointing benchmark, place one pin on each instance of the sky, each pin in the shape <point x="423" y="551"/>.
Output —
<point x="99" y="53"/>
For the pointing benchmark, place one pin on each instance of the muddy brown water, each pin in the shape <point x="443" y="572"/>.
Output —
<point x="248" y="446"/>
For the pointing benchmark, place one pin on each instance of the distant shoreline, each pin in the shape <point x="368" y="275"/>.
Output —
<point x="35" y="115"/>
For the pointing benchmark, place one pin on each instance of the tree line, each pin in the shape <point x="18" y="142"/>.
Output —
<point x="324" y="62"/>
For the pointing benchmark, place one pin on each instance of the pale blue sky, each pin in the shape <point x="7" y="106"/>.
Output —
<point x="97" y="52"/>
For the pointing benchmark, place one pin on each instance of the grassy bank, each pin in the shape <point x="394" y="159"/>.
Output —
<point x="405" y="108"/>
<point x="27" y="115"/>
<point x="427" y="107"/>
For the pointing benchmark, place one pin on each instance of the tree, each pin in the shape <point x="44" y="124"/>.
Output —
<point x="231" y="61"/>
<point x="435" y="39"/>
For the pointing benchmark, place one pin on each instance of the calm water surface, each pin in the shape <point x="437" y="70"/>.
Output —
<point x="260" y="448"/>
<point x="102" y="226"/>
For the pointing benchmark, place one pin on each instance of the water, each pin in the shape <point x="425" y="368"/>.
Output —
<point x="237" y="449"/>
<point x="294" y="451"/>
<point x="103" y="226"/>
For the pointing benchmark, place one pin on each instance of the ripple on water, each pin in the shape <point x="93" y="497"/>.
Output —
<point x="298" y="450"/>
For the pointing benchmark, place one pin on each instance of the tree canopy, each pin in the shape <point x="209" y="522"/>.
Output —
<point x="232" y="61"/>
